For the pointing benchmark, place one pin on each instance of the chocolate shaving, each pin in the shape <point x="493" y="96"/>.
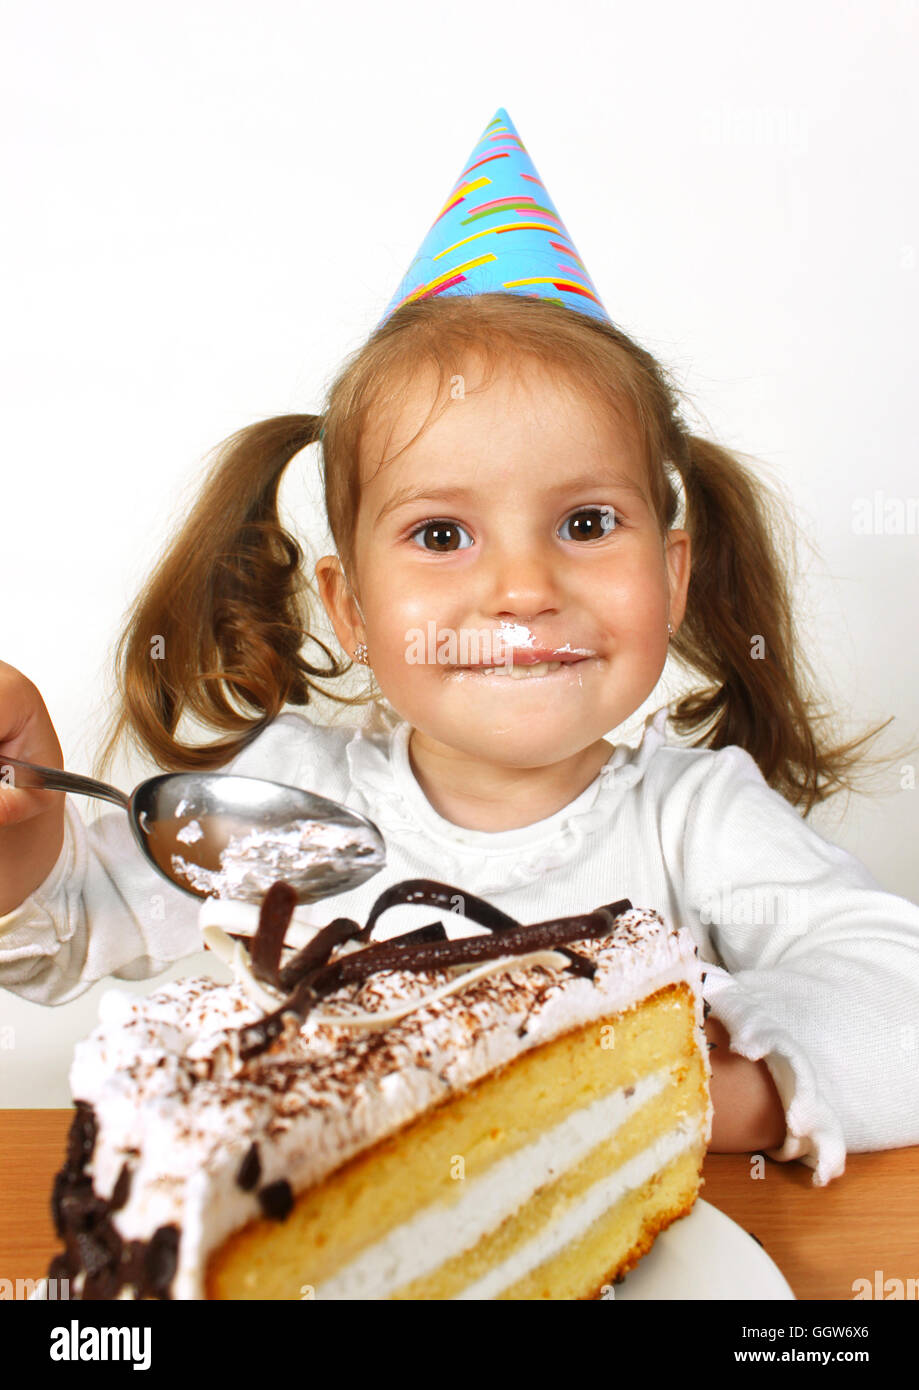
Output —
<point x="274" y="918"/>
<point x="317" y="951"/>
<point x="467" y="950"/>
<point x="415" y="891"/>
<point x="434" y="931"/>
<point x="121" y="1189"/>
<point x="81" y="1139"/>
<point x="160" y="1260"/>
<point x="415" y="955"/>
<point x="429" y="893"/>
<point x="258" y="1037"/>
<point x="580" y="965"/>
<point x="411" y="892"/>
<point x="93" y="1245"/>
<point x="62" y="1268"/>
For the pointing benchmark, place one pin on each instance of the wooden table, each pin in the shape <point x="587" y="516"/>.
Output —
<point x="821" y="1238"/>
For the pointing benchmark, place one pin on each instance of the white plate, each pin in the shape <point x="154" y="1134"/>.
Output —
<point x="704" y="1255"/>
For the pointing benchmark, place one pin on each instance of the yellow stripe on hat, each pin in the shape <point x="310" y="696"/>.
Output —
<point x="460" y="193"/>
<point x="463" y="269"/>
<point x="511" y="227"/>
<point x="560" y="282"/>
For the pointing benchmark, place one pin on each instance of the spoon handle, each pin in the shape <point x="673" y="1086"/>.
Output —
<point x="52" y="779"/>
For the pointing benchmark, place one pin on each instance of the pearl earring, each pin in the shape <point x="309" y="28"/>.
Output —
<point x="360" y="653"/>
<point x="669" y="631"/>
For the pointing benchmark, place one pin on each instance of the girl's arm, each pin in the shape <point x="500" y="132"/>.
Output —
<point x="749" y="1114"/>
<point x="811" y="968"/>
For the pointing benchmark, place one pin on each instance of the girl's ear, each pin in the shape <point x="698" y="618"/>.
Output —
<point x="340" y="604"/>
<point x="678" y="548"/>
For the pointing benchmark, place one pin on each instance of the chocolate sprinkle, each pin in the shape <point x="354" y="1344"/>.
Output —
<point x="160" y="1260"/>
<point x="94" y="1246"/>
<point x="121" y="1189"/>
<point x="277" y="1200"/>
<point x="82" y="1137"/>
<point x="250" y="1170"/>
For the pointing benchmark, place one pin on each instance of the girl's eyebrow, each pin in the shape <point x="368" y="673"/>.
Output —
<point x="585" y="482"/>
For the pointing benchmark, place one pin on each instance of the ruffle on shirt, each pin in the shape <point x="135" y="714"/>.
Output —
<point x="486" y="861"/>
<point x="813" y="1133"/>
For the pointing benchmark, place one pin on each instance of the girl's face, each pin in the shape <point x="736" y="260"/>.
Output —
<point x="513" y="587"/>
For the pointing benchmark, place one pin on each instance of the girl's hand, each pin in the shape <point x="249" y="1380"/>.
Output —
<point x="749" y="1116"/>
<point x="31" y="821"/>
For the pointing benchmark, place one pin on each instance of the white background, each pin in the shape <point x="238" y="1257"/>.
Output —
<point x="208" y="205"/>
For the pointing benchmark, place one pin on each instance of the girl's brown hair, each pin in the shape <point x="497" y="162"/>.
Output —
<point x="226" y="611"/>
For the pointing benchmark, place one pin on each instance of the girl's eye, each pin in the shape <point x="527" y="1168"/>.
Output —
<point x="588" y="524"/>
<point x="442" y="536"/>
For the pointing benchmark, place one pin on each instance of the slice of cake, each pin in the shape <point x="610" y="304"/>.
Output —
<point x="514" y="1114"/>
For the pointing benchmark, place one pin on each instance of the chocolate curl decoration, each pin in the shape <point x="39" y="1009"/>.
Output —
<point x="274" y="918"/>
<point x="466" y="950"/>
<point x="415" y="891"/>
<point x="317" y="952"/>
<point x="419" y="955"/>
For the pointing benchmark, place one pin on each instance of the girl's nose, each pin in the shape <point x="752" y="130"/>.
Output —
<point x="522" y="581"/>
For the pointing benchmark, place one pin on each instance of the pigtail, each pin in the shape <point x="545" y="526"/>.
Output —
<point x="218" y="630"/>
<point x="738" y="632"/>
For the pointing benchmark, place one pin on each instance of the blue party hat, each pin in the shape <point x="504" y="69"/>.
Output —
<point x="499" y="231"/>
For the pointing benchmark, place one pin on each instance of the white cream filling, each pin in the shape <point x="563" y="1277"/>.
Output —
<point x="579" y="1218"/>
<point x="440" y="1232"/>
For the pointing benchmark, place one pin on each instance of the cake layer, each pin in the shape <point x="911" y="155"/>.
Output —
<point x="472" y="1182"/>
<point x="614" y="1237"/>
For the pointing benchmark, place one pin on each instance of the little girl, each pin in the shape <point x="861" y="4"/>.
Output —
<point x="499" y="485"/>
<point x="499" y="476"/>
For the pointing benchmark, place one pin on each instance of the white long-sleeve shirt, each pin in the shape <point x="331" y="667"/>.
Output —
<point x="812" y="966"/>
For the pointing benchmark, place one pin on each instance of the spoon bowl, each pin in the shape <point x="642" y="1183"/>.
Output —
<point x="214" y="834"/>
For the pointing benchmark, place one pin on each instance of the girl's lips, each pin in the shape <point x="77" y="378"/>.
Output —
<point x="526" y="666"/>
<point x="533" y="656"/>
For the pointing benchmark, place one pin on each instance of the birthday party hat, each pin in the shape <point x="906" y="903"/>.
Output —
<point x="499" y="231"/>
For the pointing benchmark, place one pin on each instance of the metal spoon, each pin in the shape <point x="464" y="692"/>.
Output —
<point x="216" y="834"/>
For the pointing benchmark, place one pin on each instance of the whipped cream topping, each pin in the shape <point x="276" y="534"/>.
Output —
<point x="460" y="977"/>
<point x="177" y="1106"/>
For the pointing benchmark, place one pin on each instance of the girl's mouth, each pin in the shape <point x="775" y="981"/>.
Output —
<point x="524" y="667"/>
